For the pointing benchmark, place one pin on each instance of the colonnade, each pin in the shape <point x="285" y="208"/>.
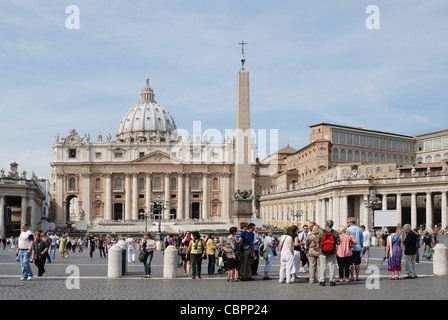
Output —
<point x="281" y="210"/>
<point x="179" y="189"/>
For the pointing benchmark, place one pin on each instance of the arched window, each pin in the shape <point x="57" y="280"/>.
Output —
<point x="215" y="184"/>
<point x="118" y="183"/>
<point x="72" y="184"/>
<point x="370" y="157"/>
<point x="195" y="183"/>
<point x="363" y="156"/>
<point x="157" y="183"/>
<point x="350" y="155"/>
<point x="343" y="154"/>
<point x="437" y="158"/>
<point x="357" y="158"/>
<point x="335" y="154"/>
<point x="428" y="159"/>
<point x="98" y="184"/>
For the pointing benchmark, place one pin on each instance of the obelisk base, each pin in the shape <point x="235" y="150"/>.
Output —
<point x="242" y="211"/>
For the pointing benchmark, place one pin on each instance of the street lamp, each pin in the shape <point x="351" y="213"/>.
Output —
<point x="297" y="214"/>
<point x="372" y="203"/>
<point x="160" y="207"/>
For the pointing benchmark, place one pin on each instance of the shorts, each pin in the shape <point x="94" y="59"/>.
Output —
<point x="231" y="263"/>
<point x="365" y="252"/>
<point x="356" y="258"/>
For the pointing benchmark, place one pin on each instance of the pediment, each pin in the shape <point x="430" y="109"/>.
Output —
<point x="157" y="157"/>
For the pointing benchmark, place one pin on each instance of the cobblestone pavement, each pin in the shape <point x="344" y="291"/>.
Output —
<point x="58" y="283"/>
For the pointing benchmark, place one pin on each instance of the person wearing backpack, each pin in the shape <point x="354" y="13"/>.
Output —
<point x="328" y="240"/>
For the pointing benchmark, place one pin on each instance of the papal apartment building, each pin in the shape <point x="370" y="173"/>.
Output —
<point x="333" y="176"/>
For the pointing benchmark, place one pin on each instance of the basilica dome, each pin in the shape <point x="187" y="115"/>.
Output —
<point x="146" y="121"/>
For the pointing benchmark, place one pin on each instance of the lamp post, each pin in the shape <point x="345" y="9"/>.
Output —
<point x="160" y="207"/>
<point x="372" y="203"/>
<point x="297" y="214"/>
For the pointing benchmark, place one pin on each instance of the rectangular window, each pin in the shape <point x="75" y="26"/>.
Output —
<point x="362" y="140"/>
<point x="118" y="155"/>
<point x="382" y="143"/>
<point x="342" y="137"/>
<point x="141" y="154"/>
<point x="334" y="136"/>
<point x="369" y="141"/>
<point x="356" y="139"/>
<point x="72" y="153"/>
<point x="98" y="155"/>
<point x="378" y="169"/>
<point x="349" y="138"/>
<point x="394" y="144"/>
<point x="391" y="169"/>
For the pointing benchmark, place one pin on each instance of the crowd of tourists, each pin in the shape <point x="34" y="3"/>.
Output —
<point x="239" y="254"/>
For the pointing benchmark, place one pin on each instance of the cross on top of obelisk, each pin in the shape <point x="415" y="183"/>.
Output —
<point x="243" y="59"/>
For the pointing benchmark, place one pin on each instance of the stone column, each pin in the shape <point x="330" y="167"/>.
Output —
<point x="226" y="195"/>
<point x="364" y="215"/>
<point x="187" y="196"/>
<point x="2" y="216"/>
<point x="134" y="213"/>
<point x="429" y="213"/>
<point x="33" y="218"/>
<point x="148" y="192"/>
<point x="413" y="210"/>
<point x="167" y="195"/>
<point x="60" y="201"/>
<point x="330" y="209"/>
<point x="180" y="195"/>
<point x="127" y="205"/>
<point x="318" y="211"/>
<point x="23" y="205"/>
<point x="86" y="195"/>
<point x="344" y="213"/>
<point x="384" y="202"/>
<point x="336" y="212"/>
<point x="205" y="200"/>
<point x="444" y="209"/>
<point x="108" y="193"/>
<point x="399" y="211"/>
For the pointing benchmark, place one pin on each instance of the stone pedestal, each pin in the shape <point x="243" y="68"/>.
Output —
<point x="440" y="260"/>
<point x="170" y="263"/>
<point x="115" y="262"/>
<point x="124" y="251"/>
<point x="242" y="211"/>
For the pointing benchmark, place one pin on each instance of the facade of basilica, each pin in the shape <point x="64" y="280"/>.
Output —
<point x="149" y="161"/>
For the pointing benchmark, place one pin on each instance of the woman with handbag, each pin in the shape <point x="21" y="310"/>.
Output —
<point x="344" y="254"/>
<point x="186" y="261"/>
<point x="196" y="250"/>
<point x="149" y="246"/>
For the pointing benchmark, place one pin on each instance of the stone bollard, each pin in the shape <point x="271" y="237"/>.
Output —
<point x="170" y="263"/>
<point x="373" y="241"/>
<point x="160" y="245"/>
<point x="114" y="262"/>
<point x="440" y="260"/>
<point x="124" y="247"/>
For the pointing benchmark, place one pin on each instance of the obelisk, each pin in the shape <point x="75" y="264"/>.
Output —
<point x="242" y="198"/>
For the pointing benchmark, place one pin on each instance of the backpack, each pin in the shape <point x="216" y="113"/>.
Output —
<point x="327" y="243"/>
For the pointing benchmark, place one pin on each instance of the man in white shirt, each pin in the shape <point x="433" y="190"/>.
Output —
<point x="53" y="239"/>
<point x="366" y="245"/>
<point x="24" y="250"/>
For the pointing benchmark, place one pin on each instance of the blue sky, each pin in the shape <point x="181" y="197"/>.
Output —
<point x="309" y="62"/>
